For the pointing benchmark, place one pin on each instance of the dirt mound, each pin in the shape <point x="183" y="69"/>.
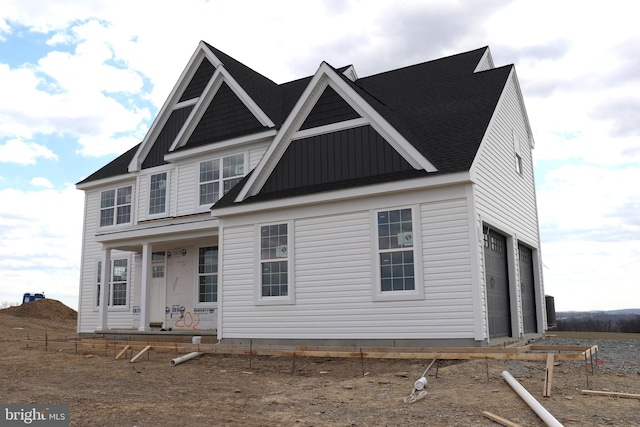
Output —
<point x="46" y="308"/>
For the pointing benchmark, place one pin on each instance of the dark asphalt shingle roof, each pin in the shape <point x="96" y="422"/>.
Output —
<point x="441" y="107"/>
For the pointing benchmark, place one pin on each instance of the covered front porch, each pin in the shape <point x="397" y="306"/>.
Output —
<point x="165" y="274"/>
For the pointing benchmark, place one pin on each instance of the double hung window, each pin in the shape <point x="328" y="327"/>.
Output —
<point x="218" y="176"/>
<point x="118" y="283"/>
<point x="158" y="194"/>
<point x="208" y="274"/>
<point x="275" y="264"/>
<point x="115" y="206"/>
<point x="397" y="255"/>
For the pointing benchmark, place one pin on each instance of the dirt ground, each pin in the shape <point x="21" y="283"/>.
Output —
<point x="227" y="390"/>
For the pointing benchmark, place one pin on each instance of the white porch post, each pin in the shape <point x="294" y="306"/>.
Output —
<point x="105" y="279"/>
<point x="145" y="287"/>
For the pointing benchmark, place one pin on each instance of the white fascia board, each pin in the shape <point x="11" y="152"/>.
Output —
<point x="235" y="142"/>
<point x="514" y="76"/>
<point x="324" y="77"/>
<point x="198" y="111"/>
<point x="388" y="132"/>
<point x="219" y="76"/>
<point x="112" y="180"/>
<point x="246" y="99"/>
<point x="427" y="182"/>
<point x="275" y="150"/>
<point x="159" y="231"/>
<point x="167" y="107"/>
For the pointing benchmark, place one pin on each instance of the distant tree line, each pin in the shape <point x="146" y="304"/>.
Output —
<point x="604" y="323"/>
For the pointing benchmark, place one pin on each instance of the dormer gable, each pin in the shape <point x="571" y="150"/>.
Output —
<point x="207" y="104"/>
<point x="330" y="108"/>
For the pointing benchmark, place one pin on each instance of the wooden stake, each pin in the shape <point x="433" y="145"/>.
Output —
<point x="612" y="393"/>
<point x="123" y="351"/>
<point x="499" y="419"/>
<point x="143" y="351"/>
<point x="548" y="375"/>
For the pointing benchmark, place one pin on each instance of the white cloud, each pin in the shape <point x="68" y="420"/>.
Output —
<point x="40" y="181"/>
<point x="40" y="243"/>
<point x="24" y="152"/>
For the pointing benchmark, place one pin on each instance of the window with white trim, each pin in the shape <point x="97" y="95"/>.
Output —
<point x="118" y="284"/>
<point x="158" y="193"/>
<point x="397" y="261"/>
<point x="517" y="152"/>
<point x="274" y="260"/>
<point x="208" y="274"/>
<point x="115" y="206"/>
<point x="214" y="182"/>
<point x="395" y="246"/>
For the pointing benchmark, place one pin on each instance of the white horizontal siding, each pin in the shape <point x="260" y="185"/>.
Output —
<point x="506" y="200"/>
<point x="333" y="280"/>
<point x="92" y="253"/>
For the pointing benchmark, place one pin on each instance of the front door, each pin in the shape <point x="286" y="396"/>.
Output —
<point x="158" y="295"/>
<point x="497" y="284"/>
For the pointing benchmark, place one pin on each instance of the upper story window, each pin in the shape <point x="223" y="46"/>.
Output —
<point x="158" y="194"/>
<point x="517" y="149"/>
<point x="115" y="206"/>
<point x="397" y="256"/>
<point x="214" y="182"/>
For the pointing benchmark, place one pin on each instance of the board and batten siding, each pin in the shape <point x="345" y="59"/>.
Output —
<point x="505" y="199"/>
<point x="333" y="275"/>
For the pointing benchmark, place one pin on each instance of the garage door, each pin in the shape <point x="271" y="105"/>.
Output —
<point x="497" y="281"/>
<point x="527" y="290"/>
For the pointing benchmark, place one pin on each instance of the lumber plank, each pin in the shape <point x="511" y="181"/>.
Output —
<point x="548" y="375"/>
<point x="119" y="355"/>
<point x="611" y="393"/>
<point x="499" y="419"/>
<point x="143" y="351"/>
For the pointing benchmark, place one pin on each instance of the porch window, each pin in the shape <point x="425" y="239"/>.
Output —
<point x="115" y="206"/>
<point x="208" y="274"/>
<point x="158" y="194"/>
<point x="118" y="286"/>
<point x="214" y="183"/>
<point x="397" y="256"/>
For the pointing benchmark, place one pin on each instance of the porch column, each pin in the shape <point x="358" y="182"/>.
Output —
<point x="145" y="284"/>
<point x="105" y="279"/>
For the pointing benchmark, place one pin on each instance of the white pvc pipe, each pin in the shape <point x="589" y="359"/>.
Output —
<point x="531" y="401"/>
<point x="178" y="360"/>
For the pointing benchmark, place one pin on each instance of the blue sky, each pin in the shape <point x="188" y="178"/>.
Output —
<point x="82" y="81"/>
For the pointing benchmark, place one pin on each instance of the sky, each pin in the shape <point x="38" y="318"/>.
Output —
<point x="81" y="82"/>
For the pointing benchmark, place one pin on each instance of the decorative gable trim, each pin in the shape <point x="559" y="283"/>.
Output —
<point x="200" y="104"/>
<point x="219" y="77"/>
<point x="327" y="76"/>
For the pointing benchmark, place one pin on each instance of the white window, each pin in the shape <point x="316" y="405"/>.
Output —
<point x="398" y="272"/>
<point x="115" y="206"/>
<point x="158" y="194"/>
<point x="517" y="152"/>
<point x="275" y="265"/>
<point x="118" y="286"/>
<point x="208" y="274"/>
<point x="218" y="176"/>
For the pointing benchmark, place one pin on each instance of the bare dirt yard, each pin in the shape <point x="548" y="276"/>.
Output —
<point x="231" y="390"/>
